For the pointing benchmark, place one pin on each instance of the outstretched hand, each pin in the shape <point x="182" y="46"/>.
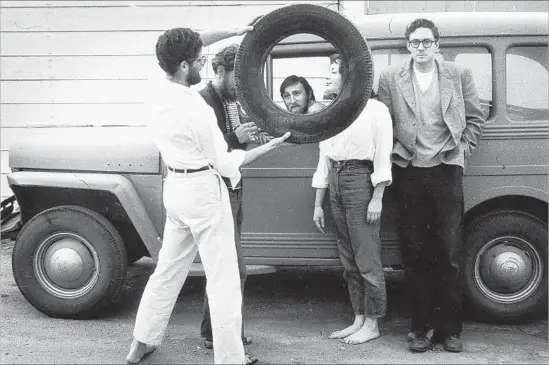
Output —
<point x="279" y="141"/>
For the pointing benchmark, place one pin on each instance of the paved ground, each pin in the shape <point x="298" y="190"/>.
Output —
<point x="288" y="314"/>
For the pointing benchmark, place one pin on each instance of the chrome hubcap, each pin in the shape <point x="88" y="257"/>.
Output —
<point x="508" y="269"/>
<point x="66" y="265"/>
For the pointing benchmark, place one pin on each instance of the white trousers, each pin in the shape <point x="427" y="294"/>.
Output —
<point x="199" y="219"/>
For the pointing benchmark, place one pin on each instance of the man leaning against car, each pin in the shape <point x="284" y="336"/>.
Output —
<point x="437" y="123"/>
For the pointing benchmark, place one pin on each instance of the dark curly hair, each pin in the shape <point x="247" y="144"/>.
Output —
<point x="175" y="46"/>
<point x="421" y="23"/>
<point x="292" y="80"/>
<point x="225" y="57"/>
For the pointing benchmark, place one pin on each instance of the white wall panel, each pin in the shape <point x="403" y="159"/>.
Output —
<point x="150" y="3"/>
<point x="79" y="68"/>
<point x="125" y="18"/>
<point x="4" y="162"/>
<point x="34" y="115"/>
<point x="9" y="135"/>
<point x="78" y="43"/>
<point x="88" y="68"/>
<point x="88" y="44"/>
<point x="73" y="91"/>
<point x="5" y="190"/>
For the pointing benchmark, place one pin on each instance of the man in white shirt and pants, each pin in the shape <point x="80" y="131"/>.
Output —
<point x="355" y="165"/>
<point x="199" y="218"/>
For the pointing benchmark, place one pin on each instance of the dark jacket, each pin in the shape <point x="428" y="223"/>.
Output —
<point x="460" y="107"/>
<point x="212" y="98"/>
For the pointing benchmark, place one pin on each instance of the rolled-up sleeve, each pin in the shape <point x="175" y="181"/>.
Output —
<point x="320" y="177"/>
<point x="382" y="128"/>
<point x="214" y="147"/>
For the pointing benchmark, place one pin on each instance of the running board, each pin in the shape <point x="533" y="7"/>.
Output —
<point x="198" y="270"/>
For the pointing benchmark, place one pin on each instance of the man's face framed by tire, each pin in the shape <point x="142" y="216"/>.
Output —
<point x="357" y="72"/>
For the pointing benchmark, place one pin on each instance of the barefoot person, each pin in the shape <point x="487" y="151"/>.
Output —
<point x="355" y="165"/>
<point x="198" y="209"/>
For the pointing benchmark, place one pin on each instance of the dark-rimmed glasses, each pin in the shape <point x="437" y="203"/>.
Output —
<point x="426" y="42"/>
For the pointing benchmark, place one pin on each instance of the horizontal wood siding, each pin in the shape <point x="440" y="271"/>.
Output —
<point x="84" y="63"/>
<point x="391" y="6"/>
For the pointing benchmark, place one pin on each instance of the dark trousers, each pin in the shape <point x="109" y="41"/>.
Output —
<point x="430" y="202"/>
<point x="358" y="242"/>
<point x="236" y="206"/>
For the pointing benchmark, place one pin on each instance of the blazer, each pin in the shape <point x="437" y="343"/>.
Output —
<point x="460" y="109"/>
<point x="212" y="99"/>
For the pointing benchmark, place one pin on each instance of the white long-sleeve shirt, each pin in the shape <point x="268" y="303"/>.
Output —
<point x="369" y="137"/>
<point x="184" y="129"/>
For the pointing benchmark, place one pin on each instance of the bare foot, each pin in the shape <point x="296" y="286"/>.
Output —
<point x="346" y="331"/>
<point x="138" y="350"/>
<point x="368" y="332"/>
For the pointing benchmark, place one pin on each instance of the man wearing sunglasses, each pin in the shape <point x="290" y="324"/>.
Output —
<point x="437" y="125"/>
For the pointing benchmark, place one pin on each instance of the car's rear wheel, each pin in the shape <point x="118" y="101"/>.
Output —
<point x="505" y="266"/>
<point x="69" y="262"/>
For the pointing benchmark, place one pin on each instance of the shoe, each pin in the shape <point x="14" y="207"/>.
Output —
<point x="452" y="344"/>
<point x="246" y="340"/>
<point x="138" y="350"/>
<point x="251" y="359"/>
<point x="412" y="335"/>
<point x="421" y="343"/>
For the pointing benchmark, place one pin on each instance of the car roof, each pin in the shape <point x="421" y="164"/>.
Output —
<point x="450" y="24"/>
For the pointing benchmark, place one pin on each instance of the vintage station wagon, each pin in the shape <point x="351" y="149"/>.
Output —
<point x="99" y="190"/>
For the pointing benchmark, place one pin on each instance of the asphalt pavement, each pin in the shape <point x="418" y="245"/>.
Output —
<point x="289" y="315"/>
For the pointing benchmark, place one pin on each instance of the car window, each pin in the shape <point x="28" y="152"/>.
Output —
<point x="478" y="59"/>
<point x="314" y="69"/>
<point x="527" y="83"/>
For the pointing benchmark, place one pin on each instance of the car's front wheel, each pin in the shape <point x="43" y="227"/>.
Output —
<point x="505" y="266"/>
<point x="69" y="262"/>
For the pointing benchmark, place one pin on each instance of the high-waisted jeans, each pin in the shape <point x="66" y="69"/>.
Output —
<point x="358" y="242"/>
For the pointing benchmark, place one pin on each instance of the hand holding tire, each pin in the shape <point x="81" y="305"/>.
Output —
<point x="246" y="132"/>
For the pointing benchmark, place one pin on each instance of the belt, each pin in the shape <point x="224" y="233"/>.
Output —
<point x="189" y="171"/>
<point x="343" y="163"/>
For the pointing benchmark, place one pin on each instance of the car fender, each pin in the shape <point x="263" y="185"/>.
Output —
<point x="485" y="195"/>
<point x="116" y="184"/>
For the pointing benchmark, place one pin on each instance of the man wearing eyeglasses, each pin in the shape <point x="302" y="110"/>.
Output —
<point x="437" y="125"/>
<point x="198" y="210"/>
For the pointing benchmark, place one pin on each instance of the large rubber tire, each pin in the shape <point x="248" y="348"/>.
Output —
<point x="281" y="23"/>
<point x="505" y="267"/>
<point x="69" y="262"/>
